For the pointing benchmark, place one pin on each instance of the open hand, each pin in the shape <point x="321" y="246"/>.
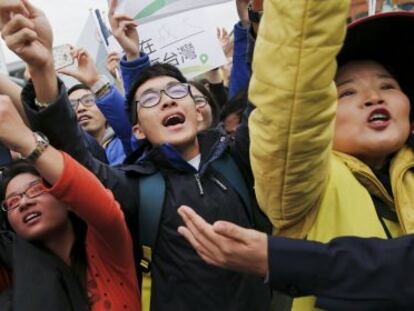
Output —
<point x="225" y="42"/>
<point x="86" y="71"/>
<point x="225" y="244"/>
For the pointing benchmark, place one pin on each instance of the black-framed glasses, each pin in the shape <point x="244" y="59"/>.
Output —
<point x="200" y="100"/>
<point x="87" y="100"/>
<point x="33" y="190"/>
<point x="151" y="98"/>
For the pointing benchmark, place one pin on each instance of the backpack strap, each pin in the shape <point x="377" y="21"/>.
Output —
<point x="151" y="201"/>
<point x="227" y="166"/>
<point x="229" y="169"/>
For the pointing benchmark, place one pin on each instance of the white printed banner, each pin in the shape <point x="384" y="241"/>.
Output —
<point x="186" y="40"/>
<point x="147" y="10"/>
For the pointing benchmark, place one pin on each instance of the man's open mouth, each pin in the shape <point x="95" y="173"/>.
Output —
<point x="173" y="119"/>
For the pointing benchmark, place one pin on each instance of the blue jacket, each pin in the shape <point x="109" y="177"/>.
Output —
<point x="114" y="107"/>
<point x="180" y="279"/>
<point x="240" y="71"/>
<point x="130" y="70"/>
<point x="348" y="273"/>
<point x="115" y="151"/>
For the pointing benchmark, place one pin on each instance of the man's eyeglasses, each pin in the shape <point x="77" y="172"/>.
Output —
<point x="87" y="100"/>
<point x="152" y="97"/>
<point x="13" y="201"/>
<point x="200" y="100"/>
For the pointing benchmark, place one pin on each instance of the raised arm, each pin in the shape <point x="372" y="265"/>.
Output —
<point x="13" y="90"/>
<point x="124" y="30"/>
<point x="292" y="127"/>
<point x="110" y="102"/>
<point x="96" y="205"/>
<point x="71" y="183"/>
<point x="54" y="115"/>
<point x="240" y="71"/>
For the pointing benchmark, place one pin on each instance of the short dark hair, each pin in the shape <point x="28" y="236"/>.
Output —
<point x="237" y="104"/>
<point x="154" y="71"/>
<point x="16" y="168"/>
<point x="79" y="86"/>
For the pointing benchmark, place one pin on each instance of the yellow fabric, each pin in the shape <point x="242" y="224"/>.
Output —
<point x="146" y="292"/>
<point x="146" y="278"/>
<point x="306" y="189"/>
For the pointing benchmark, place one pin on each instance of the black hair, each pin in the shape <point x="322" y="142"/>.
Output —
<point x="211" y="101"/>
<point x="79" y="86"/>
<point x="78" y="252"/>
<point x="154" y="71"/>
<point x="237" y="104"/>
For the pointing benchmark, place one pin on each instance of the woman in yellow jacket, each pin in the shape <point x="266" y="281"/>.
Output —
<point x="332" y="160"/>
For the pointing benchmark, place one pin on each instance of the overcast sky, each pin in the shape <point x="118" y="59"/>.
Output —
<point x="68" y="17"/>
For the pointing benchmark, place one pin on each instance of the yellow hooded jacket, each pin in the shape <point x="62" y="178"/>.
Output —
<point x="305" y="188"/>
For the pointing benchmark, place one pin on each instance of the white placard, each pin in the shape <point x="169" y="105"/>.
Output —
<point x="186" y="40"/>
<point x="148" y="10"/>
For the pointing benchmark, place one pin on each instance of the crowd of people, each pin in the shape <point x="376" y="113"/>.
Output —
<point x="288" y="185"/>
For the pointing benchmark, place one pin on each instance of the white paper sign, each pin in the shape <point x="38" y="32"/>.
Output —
<point x="186" y="40"/>
<point x="148" y="10"/>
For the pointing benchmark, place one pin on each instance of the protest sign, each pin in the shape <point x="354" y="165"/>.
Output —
<point x="186" y="40"/>
<point x="148" y="10"/>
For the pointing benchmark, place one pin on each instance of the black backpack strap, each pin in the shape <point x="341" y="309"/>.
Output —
<point x="227" y="166"/>
<point x="229" y="169"/>
<point x="151" y="201"/>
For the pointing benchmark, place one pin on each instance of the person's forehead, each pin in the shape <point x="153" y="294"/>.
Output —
<point x="360" y="70"/>
<point x="79" y="93"/>
<point x="155" y="83"/>
<point x="19" y="182"/>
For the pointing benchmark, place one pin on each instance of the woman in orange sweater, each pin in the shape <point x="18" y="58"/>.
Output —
<point x="54" y="202"/>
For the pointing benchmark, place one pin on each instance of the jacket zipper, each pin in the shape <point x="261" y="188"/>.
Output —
<point x="219" y="183"/>
<point x="200" y="186"/>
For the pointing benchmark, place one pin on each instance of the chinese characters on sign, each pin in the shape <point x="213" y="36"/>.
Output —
<point x="185" y="40"/>
<point x="183" y="53"/>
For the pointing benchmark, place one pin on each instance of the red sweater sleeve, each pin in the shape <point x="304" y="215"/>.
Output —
<point x="96" y="205"/>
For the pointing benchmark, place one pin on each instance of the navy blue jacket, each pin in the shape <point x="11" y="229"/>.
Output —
<point x="181" y="280"/>
<point x="349" y="273"/>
